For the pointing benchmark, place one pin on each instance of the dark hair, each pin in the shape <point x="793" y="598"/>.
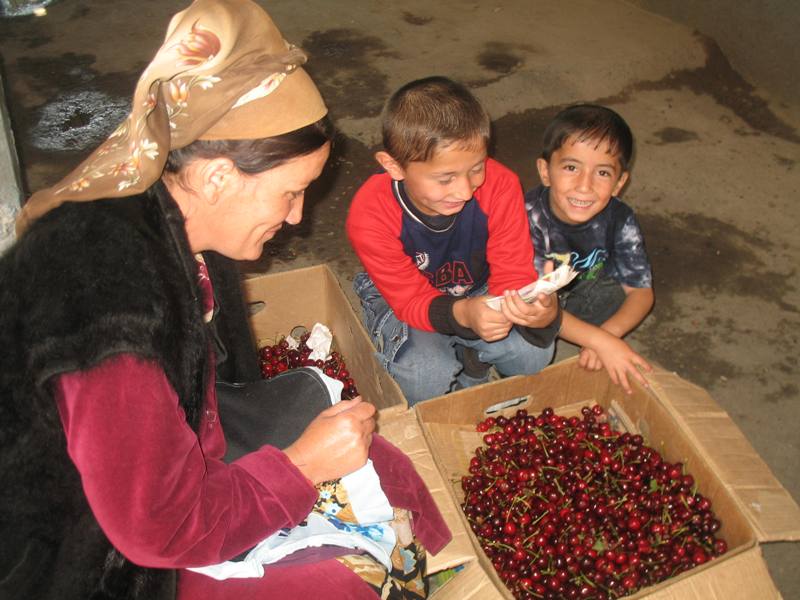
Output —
<point x="590" y="122"/>
<point x="427" y="114"/>
<point x="256" y="156"/>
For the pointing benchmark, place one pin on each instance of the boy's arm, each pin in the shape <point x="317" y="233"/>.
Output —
<point x="373" y="227"/>
<point x="617" y="356"/>
<point x="509" y="249"/>
<point x="637" y="304"/>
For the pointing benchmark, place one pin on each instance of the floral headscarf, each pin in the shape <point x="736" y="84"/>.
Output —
<point x="224" y="71"/>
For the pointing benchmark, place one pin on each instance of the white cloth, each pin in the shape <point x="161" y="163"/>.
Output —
<point x="372" y="533"/>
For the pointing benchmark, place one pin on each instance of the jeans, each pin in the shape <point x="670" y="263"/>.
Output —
<point x="427" y="364"/>
<point x="594" y="300"/>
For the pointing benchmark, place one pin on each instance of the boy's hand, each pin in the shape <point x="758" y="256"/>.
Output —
<point x="619" y="360"/>
<point x="488" y="323"/>
<point x="537" y="314"/>
<point x="589" y="360"/>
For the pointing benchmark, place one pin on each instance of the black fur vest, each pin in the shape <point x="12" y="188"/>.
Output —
<point x="87" y="281"/>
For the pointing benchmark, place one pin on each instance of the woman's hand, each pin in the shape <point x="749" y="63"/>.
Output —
<point x="336" y="442"/>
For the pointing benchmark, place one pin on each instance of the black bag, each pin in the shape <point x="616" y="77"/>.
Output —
<point x="270" y="411"/>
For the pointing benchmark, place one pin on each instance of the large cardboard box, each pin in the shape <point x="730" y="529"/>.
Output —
<point x="680" y="420"/>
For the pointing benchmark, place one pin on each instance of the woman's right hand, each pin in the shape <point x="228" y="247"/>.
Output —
<point x="336" y="442"/>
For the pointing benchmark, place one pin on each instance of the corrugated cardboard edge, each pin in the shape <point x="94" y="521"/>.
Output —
<point x="773" y="513"/>
<point x="404" y="431"/>
<point x="473" y="581"/>
<point x="740" y="577"/>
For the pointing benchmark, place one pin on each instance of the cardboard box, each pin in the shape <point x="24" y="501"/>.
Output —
<point x="282" y="301"/>
<point x="680" y="420"/>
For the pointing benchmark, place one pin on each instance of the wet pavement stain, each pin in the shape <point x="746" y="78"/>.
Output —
<point x="37" y="41"/>
<point x="718" y="79"/>
<point x="77" y="122"/>
<point x="501" y="58"/>
<point x="694" y="252"/>
<point x="83" y="107"/>
<point x="699" y="254"/>
<point x="517" y="141"/>
<point x="413" y="19"/>
<point x="80" y="12"/>
<point x="674" y="135"/>
<point x="787" y="392"/>
<point x="340" y="64"/>
<point x="688" y="353"/>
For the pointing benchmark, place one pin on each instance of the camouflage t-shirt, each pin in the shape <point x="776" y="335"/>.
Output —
<point x="611" y="243"/>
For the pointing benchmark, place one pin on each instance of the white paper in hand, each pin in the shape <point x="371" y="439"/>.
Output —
<point x="546" y="284"/>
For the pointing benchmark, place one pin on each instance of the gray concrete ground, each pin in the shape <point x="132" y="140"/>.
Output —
<point x="715" y="180"/>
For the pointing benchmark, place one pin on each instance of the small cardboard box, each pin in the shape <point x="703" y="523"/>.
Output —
<point x="677" y="418"/>
<point x="282" y="301"/>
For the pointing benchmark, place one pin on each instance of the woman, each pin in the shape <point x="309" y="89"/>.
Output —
<point x="110" y="443"/>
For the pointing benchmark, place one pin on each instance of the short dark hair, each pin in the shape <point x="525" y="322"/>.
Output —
<point x="590" y="122"/>
<point x="256" y="156"/>
<point x="427" y="114"/>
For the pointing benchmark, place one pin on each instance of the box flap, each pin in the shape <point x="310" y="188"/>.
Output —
<point x="404" y="431"/>
<point x="471" y="584"/>
<point x="740" y="577"/>
<point x="771" y="510"/>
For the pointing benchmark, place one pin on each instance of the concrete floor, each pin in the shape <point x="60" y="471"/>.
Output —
<point x="715" y="181"/>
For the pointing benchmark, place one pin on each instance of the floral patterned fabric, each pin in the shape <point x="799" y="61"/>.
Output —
<point x="406" y="579"/>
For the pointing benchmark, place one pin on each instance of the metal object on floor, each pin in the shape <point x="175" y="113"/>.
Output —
<point x="22" y="8"/>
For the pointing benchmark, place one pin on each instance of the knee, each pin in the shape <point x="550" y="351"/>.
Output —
<point x="425" y="374"/>
<point x="522" y="358"/>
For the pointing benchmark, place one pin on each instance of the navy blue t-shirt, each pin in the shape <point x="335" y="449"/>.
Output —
<point x="611" y="243"/>
<point x="450" y="250"/>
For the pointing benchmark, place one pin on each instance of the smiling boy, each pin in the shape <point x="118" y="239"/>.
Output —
<point x="576" y="217"/>
<point x="443" y="226"/>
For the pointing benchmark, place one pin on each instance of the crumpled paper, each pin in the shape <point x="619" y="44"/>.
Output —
<point x="319" y="342"/>
<point x="546" y="284"/>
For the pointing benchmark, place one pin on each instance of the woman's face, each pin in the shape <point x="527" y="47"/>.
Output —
<point x="253" y="208"/>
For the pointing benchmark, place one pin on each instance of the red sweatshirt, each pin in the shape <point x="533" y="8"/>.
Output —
<point x="412" y="265"/>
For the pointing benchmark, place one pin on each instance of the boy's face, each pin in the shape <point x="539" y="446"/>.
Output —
<point x="442" y="185"/>
<point x="582" y="176"/>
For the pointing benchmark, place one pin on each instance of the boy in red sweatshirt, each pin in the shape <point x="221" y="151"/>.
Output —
<point x="440" y="229"/>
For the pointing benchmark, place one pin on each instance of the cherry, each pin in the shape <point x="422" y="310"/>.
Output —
<point x="568" y="508"/>
<point x="278" y="357"/>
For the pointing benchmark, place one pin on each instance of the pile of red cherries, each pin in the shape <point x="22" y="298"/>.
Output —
<point x="568" y="508"/>
<point x="280" y="357"/>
